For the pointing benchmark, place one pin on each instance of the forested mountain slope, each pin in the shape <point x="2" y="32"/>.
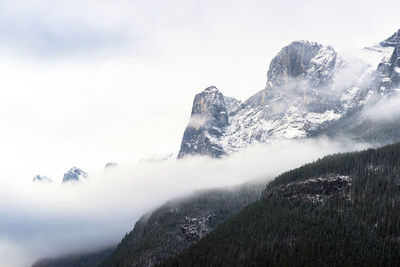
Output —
<point x="181" y="223"/>
<point x="338" y="211"/>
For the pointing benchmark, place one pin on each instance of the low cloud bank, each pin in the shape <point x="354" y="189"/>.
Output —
<point x="41" y="220"/>
<point x="385" y="109"/>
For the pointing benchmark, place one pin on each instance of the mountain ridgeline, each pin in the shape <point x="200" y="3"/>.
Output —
<point x="311" y="90"/>
<point x="342" y="210"/>
<point x="72" y="176"/>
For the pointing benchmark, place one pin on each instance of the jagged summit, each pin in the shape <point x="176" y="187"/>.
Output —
<point x="309" y="87"/>
<point x="74" y="175"/>
<point x="392" y="41"/>
<point x="209" y="116"/>
<point x="211" y="89"/>
<point x="305" y="60"/>
<point x="300" y="70"/>
<point x="294" y="100"/>
<point x="41" y="179"/>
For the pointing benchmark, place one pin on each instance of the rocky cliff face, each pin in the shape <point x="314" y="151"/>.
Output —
<point x="208" y="122"/>
<point x="388" y="70"/>
<point x="309" y="87"/>
<point x="315" y="190"/>
<point x="302" y="70"/>
<point x="394" y="70"/>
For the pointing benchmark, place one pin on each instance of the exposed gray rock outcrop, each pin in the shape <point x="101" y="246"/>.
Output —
<point x="315" y="190"/>
<point x="208" y="122"/>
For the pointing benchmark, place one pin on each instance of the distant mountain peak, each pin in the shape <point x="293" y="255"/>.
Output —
<point x="110" y="165"/>
<point x="74" y="175"/>
<point x="41" y="179"/>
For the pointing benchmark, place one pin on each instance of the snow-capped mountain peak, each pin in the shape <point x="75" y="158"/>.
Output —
<point x="309" y="86"/>
<point x="210" y="116"/>
<point x="74" y="175"/>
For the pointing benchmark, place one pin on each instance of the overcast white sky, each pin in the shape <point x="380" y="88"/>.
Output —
<point x="84" y="82"/>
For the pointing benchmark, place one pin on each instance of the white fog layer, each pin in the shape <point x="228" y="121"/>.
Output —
<point x="49" y="219"/>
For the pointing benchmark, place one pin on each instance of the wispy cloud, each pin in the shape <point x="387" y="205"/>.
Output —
<point x="384" y="109"/>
